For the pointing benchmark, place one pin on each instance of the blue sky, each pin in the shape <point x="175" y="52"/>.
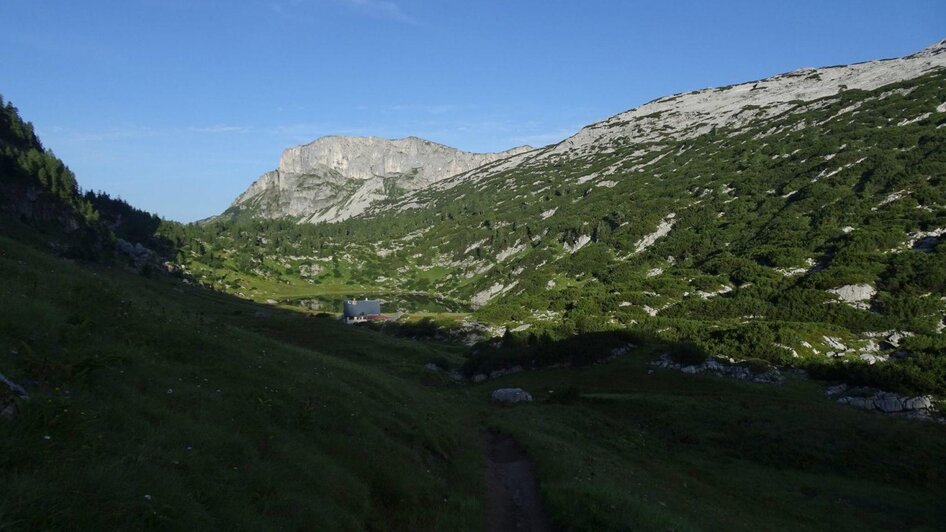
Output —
<point x="178" y="105"/>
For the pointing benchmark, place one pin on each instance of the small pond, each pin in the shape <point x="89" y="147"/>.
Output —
<point x="390" y="303"/>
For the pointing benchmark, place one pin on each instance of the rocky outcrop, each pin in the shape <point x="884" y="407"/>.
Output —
<point x="138" y="256"/>
<point x="9" y="394"/>
<point x="882" y="401"/>
<point x="335" y="177"/>
<point x="856" y="295"/>
<point x="728" y="368"/>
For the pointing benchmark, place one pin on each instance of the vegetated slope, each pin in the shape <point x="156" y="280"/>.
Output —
<point x="335" y="177"/>
<point x="152" y="404"/>
<point x="790" y="219"/>
<point x="36" y="188"/>
<point x="155" y="404"/>
<point x="41" y="201"/>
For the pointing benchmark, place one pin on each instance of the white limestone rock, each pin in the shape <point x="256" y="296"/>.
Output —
<point x="856" y="295"/>
<point x="337" y="177"/>
<point x="511" y="396"/>
<point x="663" y="229"/>
<point x="581" y="242"/>
<point x="483" y="297"/>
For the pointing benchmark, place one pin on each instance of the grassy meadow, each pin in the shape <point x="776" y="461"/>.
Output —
<point x="159" y="405"/>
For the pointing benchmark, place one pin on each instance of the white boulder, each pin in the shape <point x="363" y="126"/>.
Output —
<point x="511" y="396"/>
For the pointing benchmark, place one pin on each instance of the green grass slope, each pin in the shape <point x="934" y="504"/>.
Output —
<point x="153" y="406"/>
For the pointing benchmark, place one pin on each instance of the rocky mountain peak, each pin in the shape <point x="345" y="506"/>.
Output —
<point x="336" y="177"/>
<point x="372" y="157"/>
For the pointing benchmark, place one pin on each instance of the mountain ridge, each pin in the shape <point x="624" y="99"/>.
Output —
<point x="643" y="123"/>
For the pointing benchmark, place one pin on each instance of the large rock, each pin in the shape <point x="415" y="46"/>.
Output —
<point x="856" y="295"/>
<point x="897" y="336"/>
<point x="511" y="396"/>
<point x="882" y="401"/>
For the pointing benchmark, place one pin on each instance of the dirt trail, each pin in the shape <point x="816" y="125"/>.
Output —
<point x="513" y="500"/>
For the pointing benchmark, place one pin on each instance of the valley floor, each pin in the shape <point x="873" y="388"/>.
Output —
<point x="157" y="405"/>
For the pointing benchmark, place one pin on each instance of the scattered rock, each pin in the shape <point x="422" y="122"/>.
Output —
<point x="723" y="368"/>
<point x="835" y="343"/>
<point x="309" y="270"/>
<point x="577" y="244"/>
<point x="511" y="396"/>
<point x="919" y="406"/>
<point x="618" y="352"/>
<point x="872" y="359"/>
<point x="896" y="337"/>
<point x="478" y="378"/>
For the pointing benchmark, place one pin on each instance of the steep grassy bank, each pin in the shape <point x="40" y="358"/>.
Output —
<point x="153" y="406"/>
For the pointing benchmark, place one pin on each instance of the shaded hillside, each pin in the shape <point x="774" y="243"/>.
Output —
<point x="35" y="186"/>
<point x="39" y="195"/>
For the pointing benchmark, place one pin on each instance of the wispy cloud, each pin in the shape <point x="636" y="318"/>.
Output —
<point x="103" y="135"/>
<point x="413" y="108"/>
<point x="126" y="132"/>
<point x="381" y="9"/>
<point x="220" y="129"/>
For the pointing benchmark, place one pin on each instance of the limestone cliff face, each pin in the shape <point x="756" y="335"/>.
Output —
<point x="334" y="178"/>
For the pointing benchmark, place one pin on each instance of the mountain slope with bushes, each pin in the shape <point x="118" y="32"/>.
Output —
<point x="798" y="219"/>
